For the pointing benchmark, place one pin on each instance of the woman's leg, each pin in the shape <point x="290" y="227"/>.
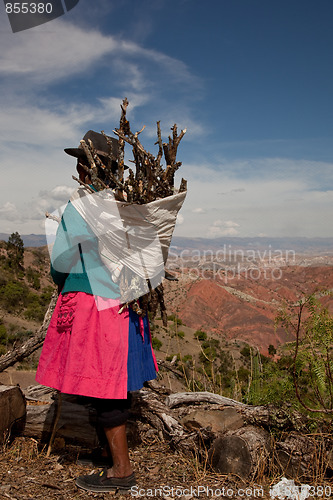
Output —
<point x="112" y="415"/>
<point x="117" y="440"/>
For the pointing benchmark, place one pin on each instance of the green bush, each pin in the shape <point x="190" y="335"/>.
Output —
<point x="243" y="374"/>
<point x="180" y="334"/>
<point x="39" y="257"/>
<point x="200" y="335"/>
<point x="35" y="312"/>
<point x="210" y="353"/>
<point x="210" y="343"/>
<point x="46" y="295"/>
<point x="173" y="317"/>
<point x="19" y="336"/>
<point x="15" y="251"/>
<point x="171" y="356"/>
<point x="226" y="361"/>
<point x="3" y="334"/>
<point x="14" y="295"/>
<point x="156" y="343"/>
<point x="246" y="351"/>
<point x="33" y="278"/>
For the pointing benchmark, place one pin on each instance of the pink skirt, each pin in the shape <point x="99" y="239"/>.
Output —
<point x="86" y="347"/>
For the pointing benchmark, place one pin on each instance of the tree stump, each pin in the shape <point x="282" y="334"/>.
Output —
<point x="218" y="421"/>
<point x="300" y="455"/>
<point x="12" y="408"/>
<point x="244" y="452"/>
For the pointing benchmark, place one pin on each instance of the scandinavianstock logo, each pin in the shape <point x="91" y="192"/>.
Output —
<point x="23" y="15"/>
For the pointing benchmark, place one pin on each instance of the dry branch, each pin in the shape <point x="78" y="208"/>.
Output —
<point x="149" y="182"/>
<point x="182" y="398"/>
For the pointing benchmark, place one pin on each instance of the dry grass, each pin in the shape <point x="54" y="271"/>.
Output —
<point x="26" y="473"/>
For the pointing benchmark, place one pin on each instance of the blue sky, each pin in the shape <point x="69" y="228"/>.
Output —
<point x="251" y="80"/>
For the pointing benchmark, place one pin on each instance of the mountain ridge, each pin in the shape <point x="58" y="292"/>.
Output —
<point x="299" y="244"/>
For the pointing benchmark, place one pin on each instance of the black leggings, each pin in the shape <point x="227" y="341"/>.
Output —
<point x="112" y="412"/>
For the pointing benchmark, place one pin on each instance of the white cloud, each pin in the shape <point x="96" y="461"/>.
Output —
<point x="222" y="228"/>
<point x="35" y="124"/>
<point x="48" y="55"/>
<point x="48" y="201"/>
<point x="217" y="232"/>
<point x="9" y="212"/>
<point x="275" y="197"/>
<point x="180" y="219"/>
<point x="227" y="223"/>
<point x="61" y="193"/>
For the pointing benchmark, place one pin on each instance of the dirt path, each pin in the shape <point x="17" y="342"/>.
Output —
<point x="23" y="378"/>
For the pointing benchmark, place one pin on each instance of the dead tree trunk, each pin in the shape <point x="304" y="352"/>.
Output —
<point x="236" y="434"/>
<point x="303" y="456"/>
<point x="243" y="452"/>
<point x="12" y="408"/>
<point x="31" y="345"/>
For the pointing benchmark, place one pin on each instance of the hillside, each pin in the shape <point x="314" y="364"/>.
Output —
<point x="25" y="293"/>
<point x="245" y="308"/>
<point x="229" y="305"/>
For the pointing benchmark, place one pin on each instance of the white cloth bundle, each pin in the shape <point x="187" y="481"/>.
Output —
<point x="131" y="236"/>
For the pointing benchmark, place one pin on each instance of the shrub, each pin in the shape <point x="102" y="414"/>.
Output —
<point x="210" y="353"/>
<point x="3" y="334"/>
<point x="33" y="278"/>
<point x="210" y="343"/>
<point x="35" y="312"/>
<point x="45" y="296"/>
<point x="246" y="351"/>
<point x="173" y="317"/>
<point x="156" y="343"/>
<point x="14" y="294"/>
<point x="15" y="251"/>
<point x="39" y="257"/>
<point x="200" y="335"/>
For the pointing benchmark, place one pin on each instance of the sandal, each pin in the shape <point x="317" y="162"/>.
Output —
<point x="101" y="483"/>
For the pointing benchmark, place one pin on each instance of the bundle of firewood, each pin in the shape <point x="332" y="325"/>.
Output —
<point x="149" y="182"/>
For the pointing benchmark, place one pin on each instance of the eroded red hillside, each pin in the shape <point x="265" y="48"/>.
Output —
<point x="245" y="308"/>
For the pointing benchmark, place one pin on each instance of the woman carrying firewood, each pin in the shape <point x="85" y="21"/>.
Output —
<point x="90" y="349"/>
<point x="108" y="261"/>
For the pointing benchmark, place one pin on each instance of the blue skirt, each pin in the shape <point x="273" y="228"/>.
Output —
<point x="140" y="362"/>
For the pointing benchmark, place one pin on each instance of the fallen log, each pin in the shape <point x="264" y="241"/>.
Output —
<point x="219" y="420"/>
<point x="244" y="452"/>
<point x="182" y="398"/>
<point x="75" y="424"/>
<point x="235" y="444"/>
<point x="268" y="416"/>
<point x="12" y="408"/>
<point x="303" y="456"/>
